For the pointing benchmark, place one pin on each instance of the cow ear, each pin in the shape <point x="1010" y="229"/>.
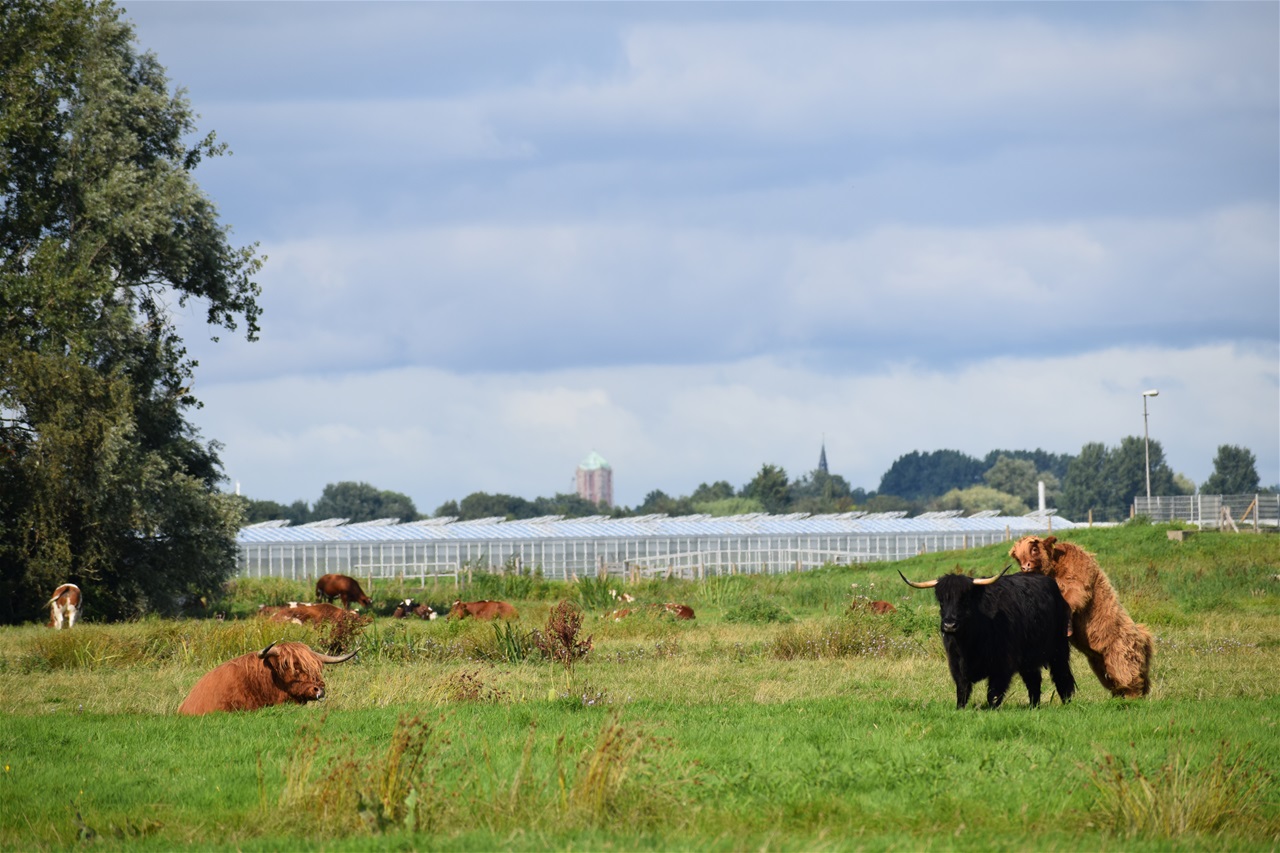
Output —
<point x="1048" y="542"/>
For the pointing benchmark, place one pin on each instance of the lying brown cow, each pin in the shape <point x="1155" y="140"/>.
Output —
<point x="680" y="611"/>
<point x="64" y="604"/>
<point x="346" y="588"/>
<point x="482" y="610"/>
<point x="282" y="672"/>
<point x="882" y="607"/>
<point x="312" y="614"/>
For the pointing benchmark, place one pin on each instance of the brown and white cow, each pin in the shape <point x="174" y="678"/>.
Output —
<point x="282" y="672"/>
<point x="312" y="614"/>
<point x="680" y="611"/>
<point x="344" y="587"/>
<point x="482" y="610"/>
<point x="408" y="608"/>
<point x="65" y="604"/>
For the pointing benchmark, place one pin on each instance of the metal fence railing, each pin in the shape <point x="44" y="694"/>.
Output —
<point x="1257" y="511"/>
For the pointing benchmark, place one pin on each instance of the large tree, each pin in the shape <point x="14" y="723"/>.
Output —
<point x="1235" y="472"/>
<point x="103" y="481"/>
<point x="362" y="502"/>
<point x="919" y="476"/>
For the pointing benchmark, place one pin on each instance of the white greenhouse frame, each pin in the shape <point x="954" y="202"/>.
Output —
<point x="691" y="547"/>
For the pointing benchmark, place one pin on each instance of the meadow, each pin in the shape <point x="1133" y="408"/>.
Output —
<point x="786" y="716"/>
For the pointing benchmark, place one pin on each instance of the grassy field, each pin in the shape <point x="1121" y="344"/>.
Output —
<point x="787" y="716"/>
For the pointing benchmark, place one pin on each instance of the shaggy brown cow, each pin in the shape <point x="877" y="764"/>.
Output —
<point x="347" y="588"/>
<point x="282" y="672"/>
<point x="65" y="603"/>
<point x="1118" y="650"/>
<point x="482" y="610"/>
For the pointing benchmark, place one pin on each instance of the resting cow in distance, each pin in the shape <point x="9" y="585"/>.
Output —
<point x="65" y="604"/>
<point x="329" y="587"/>
<point x="282" y="672"/>
<point x="994" y="627"/>
<point x="484" y="609"/>
<point x="1118" y="649"/>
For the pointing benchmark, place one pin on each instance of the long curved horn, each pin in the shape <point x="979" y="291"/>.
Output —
<point x="925" y="585"/>
<point x="992" y="579"/>
<point x="333" y="658"/>
<point x="267" y="651"/>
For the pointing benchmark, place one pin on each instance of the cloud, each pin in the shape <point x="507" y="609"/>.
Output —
<point x="438" y="435"/>
<point x="516" y="297"/>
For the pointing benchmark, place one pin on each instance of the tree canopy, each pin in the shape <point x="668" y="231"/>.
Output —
<point x="1235" y="472"/>
<point x="103" y="481"/>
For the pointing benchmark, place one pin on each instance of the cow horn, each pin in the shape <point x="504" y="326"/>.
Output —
<point x="267" y="651"/>
<point x="993" y="579"/>
<point x="335" y="658"/>
<point x="926" y="585"/>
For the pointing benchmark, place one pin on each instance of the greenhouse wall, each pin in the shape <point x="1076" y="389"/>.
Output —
<point x="690" y="547"/>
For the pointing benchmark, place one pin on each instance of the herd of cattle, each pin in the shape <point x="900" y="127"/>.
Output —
<point x="991" y="628"/>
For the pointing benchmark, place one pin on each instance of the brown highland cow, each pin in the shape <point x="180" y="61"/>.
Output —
<point x="1118" y="650"/>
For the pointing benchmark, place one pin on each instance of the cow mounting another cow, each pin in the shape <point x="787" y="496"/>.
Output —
<point x="282" y="672"/>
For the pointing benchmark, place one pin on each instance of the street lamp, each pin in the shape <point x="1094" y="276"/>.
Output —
<point x="1146" y="442"/>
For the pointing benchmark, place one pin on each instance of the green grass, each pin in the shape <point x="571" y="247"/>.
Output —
<point x="835" y="731"/>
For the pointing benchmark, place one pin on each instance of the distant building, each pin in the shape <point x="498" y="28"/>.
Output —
<point x="822" y="458"/>
<point x="595" y="479"/>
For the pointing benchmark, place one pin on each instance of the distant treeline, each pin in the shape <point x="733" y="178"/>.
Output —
<point x="1100" y="480"/>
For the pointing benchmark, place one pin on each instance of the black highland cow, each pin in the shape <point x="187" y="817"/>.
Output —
<point x="994" y="627"/>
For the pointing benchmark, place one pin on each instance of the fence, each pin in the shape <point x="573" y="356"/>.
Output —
<point x="1256" y="512"/>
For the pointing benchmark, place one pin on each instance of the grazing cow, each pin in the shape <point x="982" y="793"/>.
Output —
<point x="1118" y="649"/>
<point x="282" y="672"/>
<point x="64" y="604"/>
<point x="620" y="614"/>
<point x="994" y="627"/>
<point x="347" y="588"/>
<point x="312" y="614"/>
<point x="882" y="607"/>
<point x="408" y="608"/>
<point x="482" y="610"/>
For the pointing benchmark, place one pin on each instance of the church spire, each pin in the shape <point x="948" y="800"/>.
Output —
<point x="822" y="457"/>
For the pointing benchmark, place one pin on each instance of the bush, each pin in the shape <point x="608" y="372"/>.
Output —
<point x="756" y="609"/>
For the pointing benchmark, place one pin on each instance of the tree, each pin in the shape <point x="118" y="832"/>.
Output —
<point x="256" y="511"/>
<point x="979" y="498"/>
<point x="1127" y="472"/>
<point x="717" y="491"/>
<point x="1019" y="477"/>
<point x="105" y="482"/>
<point x="1235" y="472"/>
<point x="362" y="502"/>
<point x="1052" y="463"/>
<point x="1086" y="488"/>
<point x="919" y="476"/>
<point x="769" y="487"/>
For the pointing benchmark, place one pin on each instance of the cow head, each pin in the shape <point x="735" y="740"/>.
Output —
<point x="296" y="669"/>
<point x="457" y="611"/>
<point x="953" y="593"/>
<point x="1034" y="554"/>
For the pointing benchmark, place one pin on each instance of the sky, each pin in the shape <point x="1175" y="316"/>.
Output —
<point x="697" y="238"/>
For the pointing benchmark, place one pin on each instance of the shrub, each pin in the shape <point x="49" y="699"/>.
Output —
<point x="754" y="608"/>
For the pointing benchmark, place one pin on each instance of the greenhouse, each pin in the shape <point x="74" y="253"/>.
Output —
<point x="689" y="546"/>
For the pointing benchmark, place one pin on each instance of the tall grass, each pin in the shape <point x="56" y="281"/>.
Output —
<point x="1180" y="797"/>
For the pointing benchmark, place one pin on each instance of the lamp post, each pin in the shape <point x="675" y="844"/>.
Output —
<point x="1146" y="442"/>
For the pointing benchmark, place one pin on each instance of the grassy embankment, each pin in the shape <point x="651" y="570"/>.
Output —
<point x="782" y="718"/>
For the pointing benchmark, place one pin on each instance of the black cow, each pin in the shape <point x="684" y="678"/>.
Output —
<point x="994" y="627"/>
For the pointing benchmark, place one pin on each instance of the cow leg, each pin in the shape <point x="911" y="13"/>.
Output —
<point x="964" y="686"/>
<point x="997" y="685"/>
<point x="72" y="613"/>
<point x="1032" y="678"/>
<point x="1063" y="681"/>
<point x="55" y="615"/>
